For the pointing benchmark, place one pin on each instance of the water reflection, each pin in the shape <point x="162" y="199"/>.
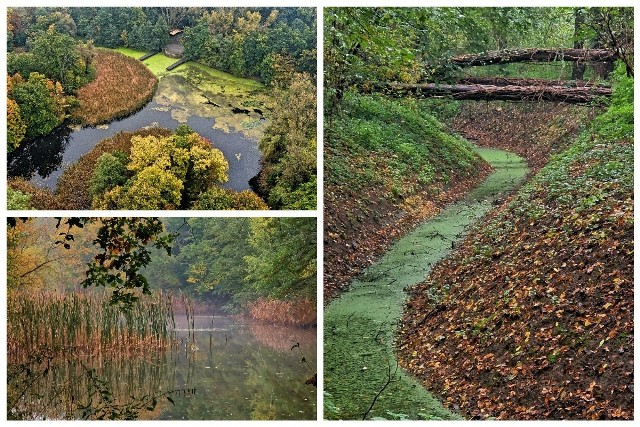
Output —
<point x="230" y="370"/>
<point x="237" y="376"/>
<point x="40" y="157"/>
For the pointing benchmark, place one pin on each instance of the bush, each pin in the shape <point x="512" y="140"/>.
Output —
<point x="17" y="200"/>
<point x="218" y="198"/>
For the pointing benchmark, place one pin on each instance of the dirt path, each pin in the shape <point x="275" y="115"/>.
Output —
<point x="359" y="327"/>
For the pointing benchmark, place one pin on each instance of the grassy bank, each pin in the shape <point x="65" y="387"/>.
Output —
<point x="121" y="87"/>
<point x="388" y="165"/>
<point x="533" y="317"/>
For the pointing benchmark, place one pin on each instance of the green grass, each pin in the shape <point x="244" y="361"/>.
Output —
<point x="374" y="141"/>
<point x="158" y="63"/>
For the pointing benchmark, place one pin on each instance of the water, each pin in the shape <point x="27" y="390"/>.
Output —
<point x="359" y="326"/>
<point x="42" y="161"/>
<point x="243" y="371"/>
<point x="234" y="371"/>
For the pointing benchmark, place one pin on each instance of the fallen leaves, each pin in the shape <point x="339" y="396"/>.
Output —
<point x="544" y="330"/>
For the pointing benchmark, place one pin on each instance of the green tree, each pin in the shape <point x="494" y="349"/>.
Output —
<point x="194" y="40"/>
<point x="289" y="144"/>
<point x="111" y="170"/>
<point x="58" y="58"/>
<point x="283" y="263"/>
<point x="159" y="36"/>
<point x="40" y="101"/>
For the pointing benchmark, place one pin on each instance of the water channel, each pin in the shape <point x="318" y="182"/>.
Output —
<point x="181" y="97"/>
<point x="360" y="325"/>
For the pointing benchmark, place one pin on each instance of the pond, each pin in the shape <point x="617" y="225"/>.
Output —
<point x="203" y="100"/>
<point x="235" y="370"/>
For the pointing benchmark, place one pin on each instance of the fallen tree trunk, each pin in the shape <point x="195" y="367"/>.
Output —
<point x="517" y="81"/>
<point x="534" y="55"/>
<point x="572" y="95"/>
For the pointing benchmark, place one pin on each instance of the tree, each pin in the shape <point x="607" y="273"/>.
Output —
<point x="289" y="143"/>
<point x="111" y="171"/>
<point x="283" y="263"/>
<point x="58" y="58"/>
<point x="40" y="101"/>
<point x="16" y="128"/>
<point x="194" y="41"/>
<point x="163" y="172"/>
<point x="159" y="36"/>
<point x="60" y="20"/>
<point x="611" y="28"/>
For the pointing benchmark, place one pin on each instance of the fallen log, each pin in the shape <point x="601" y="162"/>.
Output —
<point x="518" y="81"/>
<point x="571" y="95"/>
<point x="533" y="55"/>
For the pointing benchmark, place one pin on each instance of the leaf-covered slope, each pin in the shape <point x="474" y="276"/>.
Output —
<point x="533" y="317"/>
<point x="388" y="164"/>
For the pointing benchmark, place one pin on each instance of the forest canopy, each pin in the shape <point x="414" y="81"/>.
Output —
<point x="229" y="262"/>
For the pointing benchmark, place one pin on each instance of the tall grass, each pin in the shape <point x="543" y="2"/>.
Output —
<point x="85" y="324"/>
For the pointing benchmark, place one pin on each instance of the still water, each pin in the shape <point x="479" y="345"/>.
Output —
<point x="42" y="161"/>
<point x="225" y="369"/>
<point x="243" y="371"/>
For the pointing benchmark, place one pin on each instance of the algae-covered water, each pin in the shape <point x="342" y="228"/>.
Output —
<point x="359" y="327"/>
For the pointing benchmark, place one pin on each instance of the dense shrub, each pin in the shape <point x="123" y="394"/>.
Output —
<point x="301" y="313"/>
<point x="17" y="200"/>
<point x="218" y="198"/>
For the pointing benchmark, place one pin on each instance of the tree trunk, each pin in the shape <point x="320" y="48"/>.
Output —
<point x="518" y="81"/>
<point x="577" y="73"/>
<point x="534" y="55"/>
<point x="571" y="95"/>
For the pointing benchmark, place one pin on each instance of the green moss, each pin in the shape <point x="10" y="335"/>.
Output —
<point x="158" y="63"/>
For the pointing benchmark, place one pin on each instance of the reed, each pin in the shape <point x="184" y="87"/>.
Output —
<point x="298" y="313"/>
<point x="122" y="86"/>
<point x="85" y="324"/>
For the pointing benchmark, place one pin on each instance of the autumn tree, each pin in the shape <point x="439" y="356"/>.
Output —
<point x="16" y="128"/>
<point x="289" y="144"/>
<point x="40" y="102"/>
<point x="162" y="172"/>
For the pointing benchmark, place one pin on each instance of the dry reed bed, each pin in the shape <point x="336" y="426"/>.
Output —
<point x="122" y="86"/>
<point x="85" y="324"/>
<point x="299" y="313"/>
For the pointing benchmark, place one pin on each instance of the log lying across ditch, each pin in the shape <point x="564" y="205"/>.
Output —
<point x="533" y="55"/>
<point x="519" y="81"/>
<point x="556" y="93"/>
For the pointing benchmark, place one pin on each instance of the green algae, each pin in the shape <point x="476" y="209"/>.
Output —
<point x="196" y="89"/>
<point x="359" y="327"/>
